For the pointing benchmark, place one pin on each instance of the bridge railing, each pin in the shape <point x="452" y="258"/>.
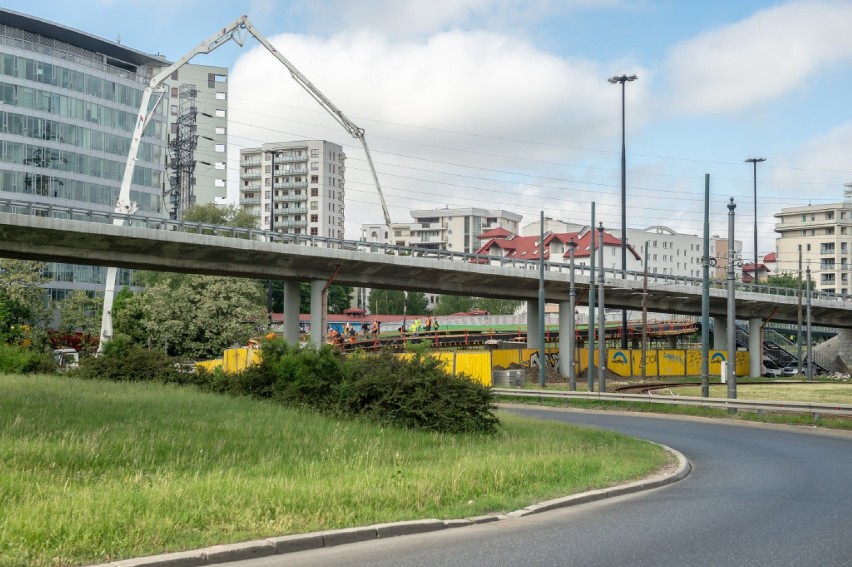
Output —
<point x="144" y="220"/>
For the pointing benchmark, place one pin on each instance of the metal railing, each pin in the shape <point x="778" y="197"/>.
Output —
<point x="760" y="406"/>
<point x="656" y="281"/>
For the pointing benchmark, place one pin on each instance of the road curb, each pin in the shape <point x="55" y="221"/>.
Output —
<point x="302" y="542"/>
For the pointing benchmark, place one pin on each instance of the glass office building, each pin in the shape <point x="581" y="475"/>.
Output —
<point x="68" y="105"/>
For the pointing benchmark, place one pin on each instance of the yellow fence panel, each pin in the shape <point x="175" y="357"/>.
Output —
<point x="477" y="365"/>
<point x="672" y="362"/>
<point x="619" y="361"/>
<point x="505" y="357"/>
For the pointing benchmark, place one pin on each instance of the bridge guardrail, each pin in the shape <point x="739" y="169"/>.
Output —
<point x="158" y="222"/>
<point x="752" y="405"/>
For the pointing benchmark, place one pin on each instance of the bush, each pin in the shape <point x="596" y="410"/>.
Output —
<point x="417" y="394"/>
<point x="124" y="362"/>
<point x="20" y="360"/>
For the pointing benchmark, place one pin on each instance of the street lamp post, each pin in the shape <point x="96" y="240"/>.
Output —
<point x="623" y="79"/>
<point x="754" y="162"/>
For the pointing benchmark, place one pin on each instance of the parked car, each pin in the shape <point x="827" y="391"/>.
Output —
<point x="792" y="370"/>
<point x="770" y="369"/>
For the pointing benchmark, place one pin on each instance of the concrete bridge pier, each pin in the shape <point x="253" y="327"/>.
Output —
<point x="534" y="337"/>
<point x="844" y="349"/>
<point x="720" y="333"/>
<point x="318" y="309"/>
<point x="291" y="312"/>
<point x="755" y="347"/>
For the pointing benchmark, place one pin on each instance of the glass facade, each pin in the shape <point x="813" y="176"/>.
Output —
<point x="66" y="119"/>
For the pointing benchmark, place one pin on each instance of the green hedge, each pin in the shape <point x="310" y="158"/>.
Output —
<point x="19" y="360"/>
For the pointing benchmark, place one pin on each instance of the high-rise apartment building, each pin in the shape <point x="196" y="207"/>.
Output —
<point x="198" y="136"/>
<point x="823" y="236"/>
<point x="295" y="187"/>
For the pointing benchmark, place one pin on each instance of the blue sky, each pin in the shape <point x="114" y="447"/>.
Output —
<point x="505" y="104"/>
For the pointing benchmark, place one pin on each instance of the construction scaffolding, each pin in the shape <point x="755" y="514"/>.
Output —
<point x="181" y="192"/>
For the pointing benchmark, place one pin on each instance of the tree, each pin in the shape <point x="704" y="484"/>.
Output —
<point x="199" y="316"/>
<point x="22" y="302"/>
<point x="386" y="301"/>
<point x="498" y="306"/>
<point x="230" y="215"/>
<point x="417" y="304"/>
<point x="127" y="316"/>
<point x="789" y="280"/>
<point x="338" y="300"/>
<point x="449" y="304"/>
<point x="80" y="312"/>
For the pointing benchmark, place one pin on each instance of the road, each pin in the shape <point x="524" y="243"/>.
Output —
<point x="756" y="496"/>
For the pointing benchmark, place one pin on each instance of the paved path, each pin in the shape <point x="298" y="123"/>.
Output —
<point x="756" y="496"/>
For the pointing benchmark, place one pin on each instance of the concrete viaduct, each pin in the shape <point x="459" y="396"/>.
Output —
<point x="352" y="263"/>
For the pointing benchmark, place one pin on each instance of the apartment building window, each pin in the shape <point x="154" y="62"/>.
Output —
<point x="314" y="205"/>
<point x="220" y="113"/>
<point x="220" y="130"/>
<point x="220" y="147"/>
<point x="314" y="178"/>
<point x="314" y="231"/>
<point x="314" y="192"/>
<point x="314" y="152"/>
<point x="314" y="166"/>
<point x="220" y="96"/>
<point x="314" y="218"/>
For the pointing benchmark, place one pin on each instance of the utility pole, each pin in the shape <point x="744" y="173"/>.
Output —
<point x="572" y="322"/>
<point x="602" y="358"/>
<point x="754" y="162"/>
<point x="541" y="326"/>
<point x="799" y="319"/>
<point x="810" y="344"/>
<point x="590" y="371"/>
<point x="732" y="314"/>
<point x="705" y="295"/>
<point x="623" y="79"/>
<point x="645" y="315"/>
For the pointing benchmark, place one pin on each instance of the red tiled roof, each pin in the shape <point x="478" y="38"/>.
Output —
<point x="497" y="232"/>
<point x="527" y="247"/>
<point x="769" y="258"/>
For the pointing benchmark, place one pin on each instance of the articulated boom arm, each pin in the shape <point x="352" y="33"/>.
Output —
<point x="235" y="31"/>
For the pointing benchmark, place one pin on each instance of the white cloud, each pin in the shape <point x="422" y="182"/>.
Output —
<point x="417" y="18"/>
<point x="414" y="99"/>
<point x="760" y="58"/>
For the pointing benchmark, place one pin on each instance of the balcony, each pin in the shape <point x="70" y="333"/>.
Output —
<point x="250" y="162"/>
<point x="425" y="226"/>
<point x="279" y="158"/>
<point x="249" y="200"/>
<point x="250" y="187"/>
<point x="291" y="171"/>
<point x="289" y="198"/>
<point x="250" y="175"/>
<point x="291" y="211"/>
<point x="291" y="185"/>
<point x="292" y="224"/>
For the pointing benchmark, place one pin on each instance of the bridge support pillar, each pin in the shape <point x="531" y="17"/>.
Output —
<point x="534" y="337"/>
<point x="318" y="306"/>
<point x="755" y="347"/>
<point x="720" y="333"/>
<point x="566" y="353"/>
<point x="844" y="350"/>
<point x="291" y="312"/>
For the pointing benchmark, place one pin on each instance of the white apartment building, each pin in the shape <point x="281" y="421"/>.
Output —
<point x="399" y="234"/>
<point x="198" y="99"/>
<point x="295" y="187"/>
<point x="458" y="230"/>
<point x="823" y="234"/>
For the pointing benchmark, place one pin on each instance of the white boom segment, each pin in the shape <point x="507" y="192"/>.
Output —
<point x="235" y="31"/>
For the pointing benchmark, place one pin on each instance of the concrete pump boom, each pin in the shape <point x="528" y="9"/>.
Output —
<point x="236" y="31"/>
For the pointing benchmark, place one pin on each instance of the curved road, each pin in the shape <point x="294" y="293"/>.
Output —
<point x="756" y="496"/>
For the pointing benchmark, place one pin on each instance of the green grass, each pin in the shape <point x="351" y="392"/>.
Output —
<point x="95" y="471"/>
<point x="818" y="392"/>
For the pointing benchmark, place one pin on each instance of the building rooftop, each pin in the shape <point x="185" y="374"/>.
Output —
<point x="116" y="53"/>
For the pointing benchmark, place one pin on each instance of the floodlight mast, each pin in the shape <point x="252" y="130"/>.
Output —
<point x="236" y="31"/>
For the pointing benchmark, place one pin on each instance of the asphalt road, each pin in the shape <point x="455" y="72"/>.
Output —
<point x="756" y="496"/>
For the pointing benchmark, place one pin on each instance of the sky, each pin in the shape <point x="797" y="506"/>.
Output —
<point x="505" y="104"/>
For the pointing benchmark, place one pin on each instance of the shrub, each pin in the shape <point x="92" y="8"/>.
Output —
<point x="20" y="360"/>
<point x="418" y="394"/>
<point x="307" y="376"/>
<point x="121" y="361"/>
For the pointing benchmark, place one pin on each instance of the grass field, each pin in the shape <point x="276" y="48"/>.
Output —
<point x="818" y="392"/>
<point x="97" y="471"/>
